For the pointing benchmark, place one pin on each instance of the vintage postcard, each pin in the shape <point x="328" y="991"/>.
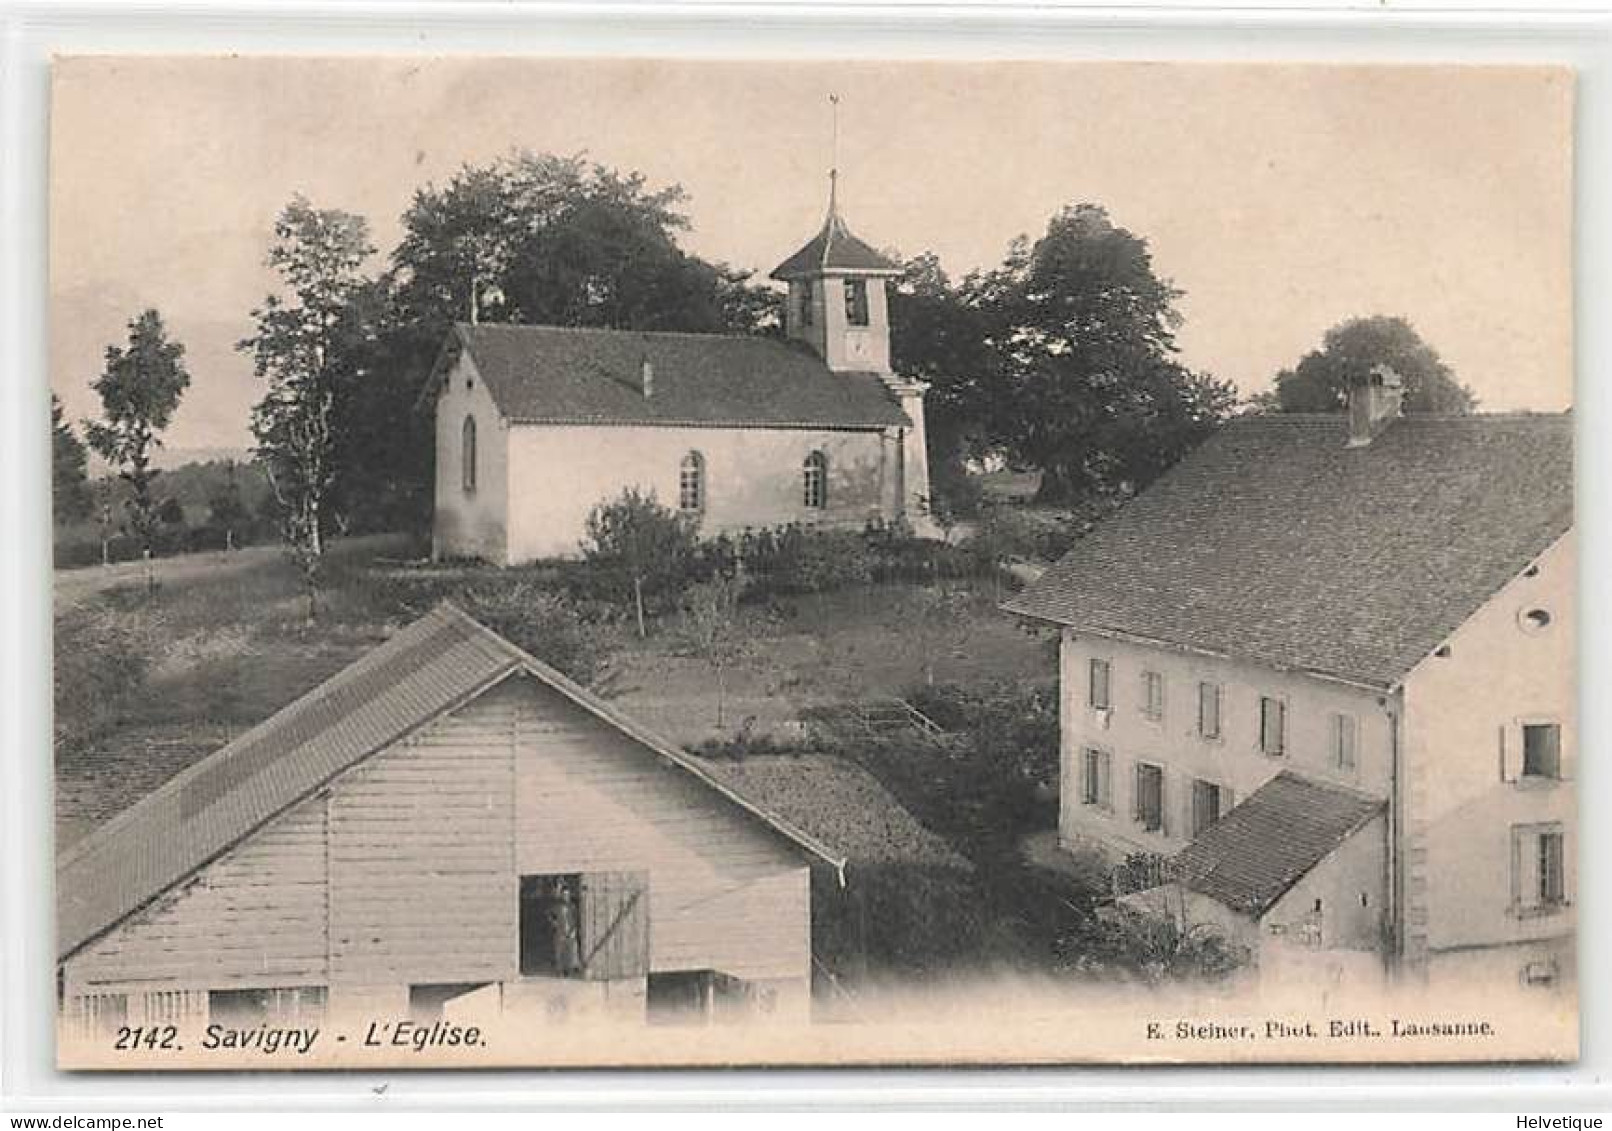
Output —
<point x="600" y="562"/>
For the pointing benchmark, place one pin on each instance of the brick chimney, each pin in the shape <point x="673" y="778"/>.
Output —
<point x="1375" y="400"/>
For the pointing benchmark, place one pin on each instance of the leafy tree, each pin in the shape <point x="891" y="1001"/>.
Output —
<point x="139" y="389"/>
<point x="1086" y="386"/>
<point x="636" y="545"/>
<point x="1320" y="381"/>
<point x="939" y="333"/>
<point x="308" y="347"/>
<point x="714" y="629"/>
<point x="70" y="489"/>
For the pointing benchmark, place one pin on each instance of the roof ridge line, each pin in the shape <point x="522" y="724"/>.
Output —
<point x="735" y="335"/>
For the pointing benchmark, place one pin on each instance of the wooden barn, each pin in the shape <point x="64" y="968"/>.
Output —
<point x="447" y="829"/>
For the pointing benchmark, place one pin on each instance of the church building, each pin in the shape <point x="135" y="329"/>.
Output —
<point x="537" y="425"/>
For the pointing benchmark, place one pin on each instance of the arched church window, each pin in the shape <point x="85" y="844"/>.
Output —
<point x="691" y="484"/>
<point x="814" y="481"/>
<point x="467" y="451"/>
<point x="856" y="302"/>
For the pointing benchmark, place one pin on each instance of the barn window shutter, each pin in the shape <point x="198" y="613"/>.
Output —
<point x="614" y="915"/>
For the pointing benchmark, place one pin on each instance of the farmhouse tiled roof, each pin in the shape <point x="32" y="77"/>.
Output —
<point x="835" y="248"/>
<point x="564" y="375"/>
<point x="1274" y="543"/>
<point x="434" y="665"/>
<point x="1251" y="857"/>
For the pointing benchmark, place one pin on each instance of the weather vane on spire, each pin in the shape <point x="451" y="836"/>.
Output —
<point x="834" y="150"/>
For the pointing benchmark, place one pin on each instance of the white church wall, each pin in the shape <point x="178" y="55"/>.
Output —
<point x="753" y="478"/>
<point x="470" y="523"/>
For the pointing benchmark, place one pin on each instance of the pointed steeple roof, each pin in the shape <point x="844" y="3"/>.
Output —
<point x="835" y="249"/>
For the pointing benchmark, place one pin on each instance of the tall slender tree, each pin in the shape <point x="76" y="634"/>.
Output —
<point x="140" y="388"/>
<point x="308" y="346"/>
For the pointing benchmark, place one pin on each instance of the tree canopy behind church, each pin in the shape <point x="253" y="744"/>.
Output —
<point x="1063" y="359"/>
<point x="1320" y="381"/>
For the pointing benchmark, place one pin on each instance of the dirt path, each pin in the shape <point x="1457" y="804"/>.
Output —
<point x="75" y="585"/>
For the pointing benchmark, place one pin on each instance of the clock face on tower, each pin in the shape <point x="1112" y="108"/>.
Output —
<point x="858" y="346"/>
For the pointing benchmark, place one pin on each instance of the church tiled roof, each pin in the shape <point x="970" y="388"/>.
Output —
<point x="1275" y="543"/>
<point x="835" y="248"/>
<point x="564" y="375"/>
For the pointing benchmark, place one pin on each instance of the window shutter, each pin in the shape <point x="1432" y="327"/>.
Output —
<point x="614" y="916"/>
<point x="1164" y="806"/>
<point x="1564" y="754"/>
<point x="1510" y="755"/>
<point x="1517" y="858"/>
<point x="1105" y="780"/>
<point x="1136" y="795"/>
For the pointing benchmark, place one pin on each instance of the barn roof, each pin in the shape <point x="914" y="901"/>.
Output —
<point x="1273" y="542"/>
<point x="434" y="665"/>
<point x="569" y="375"/>
<point x="1251" y="857"/>
<point x="835" y="249"/>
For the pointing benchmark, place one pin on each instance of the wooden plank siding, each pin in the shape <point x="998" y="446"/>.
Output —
<point x="723" y="893"/>
<point x="254" y="917"/>
<point x="406" y="868"/>
<point x="422" y="885"/>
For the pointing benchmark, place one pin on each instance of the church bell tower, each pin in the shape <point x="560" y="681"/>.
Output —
<point x="839" y="307"/>
<point x="837" y="303"/>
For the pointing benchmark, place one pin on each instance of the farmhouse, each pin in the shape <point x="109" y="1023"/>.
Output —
<point x="447" y="829"/>
<point x="535" y="425"/>
<point x="1323" y="672"/>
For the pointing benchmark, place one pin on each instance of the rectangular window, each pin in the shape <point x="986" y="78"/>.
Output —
<point x="1153" y="695"/>
<point x="549" y="926"/>
<point x="1538" y="868"/>
<point x="1343" y="741"/>
<point x="1095" y="778"/>
<point x="856" y="302"/>
<point x="1097" y="686"/>
<point x="1272" y="726"/>
<point x="1208" y="710"/>
<point x="1206" y="805"/>
<point x="1150" y="797"/>
<point x="1541" y="750"/>
<point x="593" y="925"/>
<point x="806" y="312"/>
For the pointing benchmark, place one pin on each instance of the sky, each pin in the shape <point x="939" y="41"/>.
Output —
<point x="1281" y="199"/>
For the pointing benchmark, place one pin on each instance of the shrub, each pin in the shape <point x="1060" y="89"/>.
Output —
<point x="641" y="552"/>
<point x="542" y="622"/>
<point x="527" y="606"/>
<point x="793" y="559"/>
<point x="1014" y="729"/>
<point x="1125" y="944"/>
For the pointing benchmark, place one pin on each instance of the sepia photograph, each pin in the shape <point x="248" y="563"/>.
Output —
<point x="665" y="562"/>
